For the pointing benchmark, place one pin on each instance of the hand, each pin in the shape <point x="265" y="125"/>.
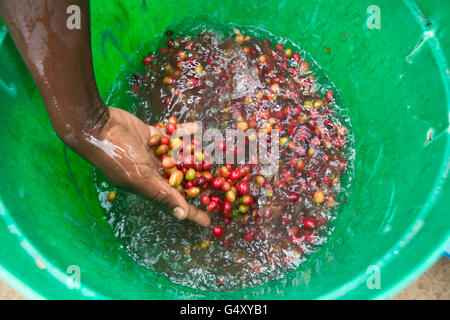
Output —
<point x="125" y="158"/>
<point x="64" y="76"/>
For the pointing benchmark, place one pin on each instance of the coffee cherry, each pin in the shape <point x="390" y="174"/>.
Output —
<point x="176" y="143"/>
<point x="245" y="169"/>
<point x="225" y="206"/>
<point x="171" y="128"/>
<point x="318" y="103"/>
<point x="341" y="130"/>
<point x="189" y="184"/>
<point x="242" y="125"/>
<point x="217" y="183"/>
<point x="193" y="192"/>
<point x="212" y="206"/>
<point x="200" y="181"/>
<point x="161" y="149"/>
<point x="170" y="42"/>
<point x="205" y="200"/>
<point x="243" y="208"/>
<point x="111" y="196"/>
<point x="309" y="223"/>
<point x="260" y="180"/>
<point x="319" y="196"/>
<point x="165" y="140"/>
<point x="192" y="82"/>
<point x="304" y="66"/>
<point x="208" y="176"/>
<point x="329" y="96"/>
<point x="168" y="80"/>
<point x="168" y="162"/>
<point x="154" y="140"/>
<point x="175" y="178"/>
<point x="215" y="198"/>
<point x="248" y="236"/>
<point x="226" y="186"/>
<point x="147" y="60"/>
<point x="293" y="197"/>
<point x="239" y="39"/>
<point x="235" y="174"/>
<point x="224" y="172"/>
<point x="247" y="199"/>
<point x="230" y="196"/>
<point x="242" y="188"/>
<point x="190" y="174"/>
<point x="172" y="119"/>
<point x="288" y="52"/>
<point x="217" y="232"/>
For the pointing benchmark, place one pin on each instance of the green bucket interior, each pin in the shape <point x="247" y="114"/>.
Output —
<point x="393" y="80"/>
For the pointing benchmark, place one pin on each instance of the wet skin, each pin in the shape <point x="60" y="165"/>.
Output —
<point x="60" y="61"/>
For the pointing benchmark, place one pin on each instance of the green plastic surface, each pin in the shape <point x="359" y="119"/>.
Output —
<point x="395" y="82"/>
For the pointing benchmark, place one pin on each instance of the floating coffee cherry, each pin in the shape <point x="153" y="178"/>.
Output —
<point x="146" y="60"/>
<point x="217" y="232"/>
<point x="248" y="237"/>
<point x="293" y="197"/>
<point x="243" y="208"/>
<point x="111" y="196"/>
<point x="304" y="66"/>
<point x="170" y="42"/>
<point x="288" y="52"/>
<point x="309" y="223"/>
<point x="319" y="196"/>
<point x="329" y="96"/>
<point x="172" y="119"/>
<point x="260" y="180"/>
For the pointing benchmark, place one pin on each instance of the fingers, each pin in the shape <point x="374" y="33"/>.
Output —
<point x="181" y="209"/>
<point x="198" y="216"/>
<point x="184" y="129"/>
<point x="187" y="129"/>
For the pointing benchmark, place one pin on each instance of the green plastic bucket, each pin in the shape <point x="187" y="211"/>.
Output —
<point x="394" y="81"/>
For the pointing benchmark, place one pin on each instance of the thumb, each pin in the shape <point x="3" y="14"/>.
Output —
<point x="180" y="208"/>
